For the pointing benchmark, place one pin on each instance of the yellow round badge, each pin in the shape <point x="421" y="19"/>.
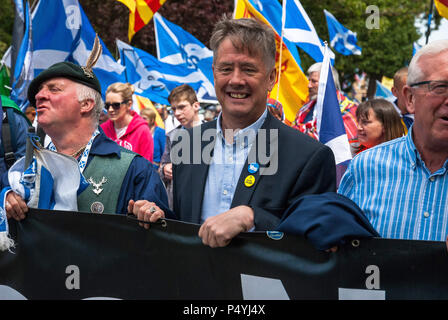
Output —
<point x="249" y="181"/>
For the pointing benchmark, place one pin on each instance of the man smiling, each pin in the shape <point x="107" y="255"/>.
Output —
<point x="247" y="167"/>
<point x="233" y="188"/>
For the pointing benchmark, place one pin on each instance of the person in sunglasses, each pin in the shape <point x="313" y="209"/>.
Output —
<point x="125" y="126"/>
<point x="401" y="185"/>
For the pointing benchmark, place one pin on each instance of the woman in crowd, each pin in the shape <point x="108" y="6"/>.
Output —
<point x="158" y="135"/>
<point x="378" y="122"/>
<point x="125" y="126"/>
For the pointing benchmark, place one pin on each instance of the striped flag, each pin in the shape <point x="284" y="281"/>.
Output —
<point x="141" y="12"/>
<point x="442" y="7"/>
<point x="330" y="126"/>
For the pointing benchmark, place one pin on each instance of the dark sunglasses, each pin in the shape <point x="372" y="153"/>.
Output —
<point x="115" y="105"/>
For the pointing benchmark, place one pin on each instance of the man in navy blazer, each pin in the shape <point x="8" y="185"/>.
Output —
<point x="242" y="171"/>
<point x="244" y="181"/>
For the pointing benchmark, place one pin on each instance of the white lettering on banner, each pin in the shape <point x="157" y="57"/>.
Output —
<point x="372" y="285"/>
<point x="73" y="280"/>
<point x="262" y="288"/>
<point x="361" y="294"/>
<point x="8" y="293"/>
<point x="373" y="281"/>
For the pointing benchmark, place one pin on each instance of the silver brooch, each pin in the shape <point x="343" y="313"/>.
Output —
<point x="97" y="185"/>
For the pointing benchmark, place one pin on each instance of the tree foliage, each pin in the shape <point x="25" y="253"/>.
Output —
<point x="6" y="24"/>
<point x="384" y="49"/>
<point x="110" y="19"/>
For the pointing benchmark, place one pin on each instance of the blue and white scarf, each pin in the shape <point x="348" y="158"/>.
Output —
<point x="52" y="181"/>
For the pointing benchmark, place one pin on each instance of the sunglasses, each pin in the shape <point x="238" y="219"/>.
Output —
<point x="115" y="105"/>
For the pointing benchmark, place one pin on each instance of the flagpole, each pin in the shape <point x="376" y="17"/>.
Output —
<point x="281" y="47"/>
<point x="428" y="31"/>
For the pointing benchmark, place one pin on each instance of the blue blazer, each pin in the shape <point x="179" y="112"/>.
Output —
<point x="305" y="166"/>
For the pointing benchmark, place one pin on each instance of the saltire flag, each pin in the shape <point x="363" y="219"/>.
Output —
<point x="342" y="39"/>
<point x="141" y="12"/>
<point x="442" y="7"/>
<point x="293" y="89"/>
<point x="300" y="30"/>
<point x="329" y="123"/>
<point x="178" y="47"/>
<point x="151" y="77"/>
<point x="52" y="181"/>
<point x="22" y="71"/>
<point x="383" y="92"/>
<point x="415" y="48"/>
<point x="62" y="32"/>
<point x="272" y="12"/>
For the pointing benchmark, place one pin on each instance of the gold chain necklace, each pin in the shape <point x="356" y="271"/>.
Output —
<point x="78" y="152"/>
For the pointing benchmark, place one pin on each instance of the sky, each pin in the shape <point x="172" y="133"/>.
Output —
<point x="441" y="33"/>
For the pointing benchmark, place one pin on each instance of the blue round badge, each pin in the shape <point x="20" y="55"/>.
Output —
<point x="274" y="235"/>
<point x="253" y="167"/>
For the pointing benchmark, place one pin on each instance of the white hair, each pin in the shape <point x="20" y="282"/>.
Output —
<point x="318" y="66"/>
<point x="415" y="72"/>
<point x="84" y="93"/>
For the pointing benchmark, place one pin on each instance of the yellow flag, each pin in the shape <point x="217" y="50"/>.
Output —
<point x="442" y="7"/>
<point x="140" y="13"/>
<point x="293" y="90"/>
<point x="143" y="103"/>
<point x="387" y="82"/>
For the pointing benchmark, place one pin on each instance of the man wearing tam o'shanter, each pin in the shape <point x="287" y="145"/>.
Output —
<point x="68" y="104"/>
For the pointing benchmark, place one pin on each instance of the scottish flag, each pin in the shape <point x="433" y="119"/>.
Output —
<point x="300" y="30"/>
<point x="151" y="77"/>
<point x="178" y="47"/>
<point x="341" y="39"/>
<point x="330" y="126"/>
<point x="62" y="32"/>
<point x="23" y="72"/>
<point x="415" y="48"/>
<point x="52" y="181"/>
<point x="383" y="92"/>
<point x="272" y="11"/>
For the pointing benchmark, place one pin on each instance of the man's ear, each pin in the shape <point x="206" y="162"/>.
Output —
<point x="407" y="92"/>
<point x="272" y="78"/>
<point x="87" y="105"/>
<point x="196" y="106"/>
<point x="394" y="92"/>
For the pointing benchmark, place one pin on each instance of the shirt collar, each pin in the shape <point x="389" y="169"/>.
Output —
<point x="102" y="145"/>
<point x="254" y="126"/>
<point x="413" y="151"/>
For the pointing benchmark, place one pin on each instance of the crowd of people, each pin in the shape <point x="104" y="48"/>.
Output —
<point x="228" y="180"/>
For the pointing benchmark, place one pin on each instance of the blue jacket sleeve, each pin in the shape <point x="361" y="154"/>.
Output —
<point x="21" y="132"/>
<point x="142" y="182"/>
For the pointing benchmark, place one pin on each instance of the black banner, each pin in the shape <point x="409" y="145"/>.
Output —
<point x="65" y="255"/>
